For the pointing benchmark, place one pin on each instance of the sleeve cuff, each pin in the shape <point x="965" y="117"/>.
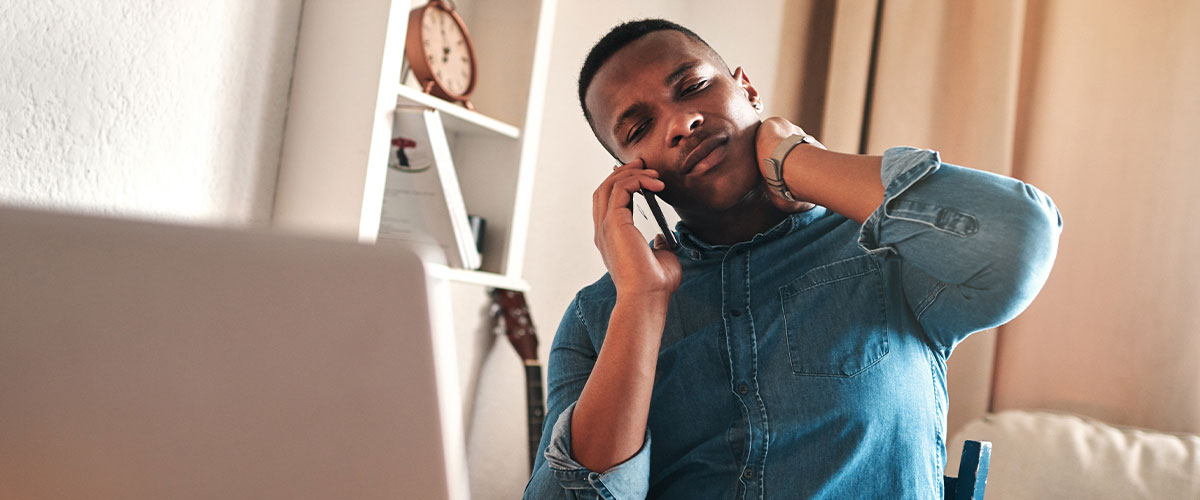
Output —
<point x="628" y="479"/>
<point x="902" y="167"/>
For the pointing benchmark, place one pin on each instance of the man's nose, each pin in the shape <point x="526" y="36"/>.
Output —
<point x="683" y="126"/>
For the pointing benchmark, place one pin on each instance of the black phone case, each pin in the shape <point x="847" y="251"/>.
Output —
<point x="658" y="217"/>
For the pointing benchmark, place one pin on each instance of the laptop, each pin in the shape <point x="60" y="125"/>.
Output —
<point x="142" y="360"/>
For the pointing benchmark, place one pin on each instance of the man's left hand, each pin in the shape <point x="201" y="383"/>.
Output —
<point x="773" y="131"/>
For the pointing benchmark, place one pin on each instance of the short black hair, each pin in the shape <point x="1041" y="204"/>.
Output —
<point x="618" y="38"/>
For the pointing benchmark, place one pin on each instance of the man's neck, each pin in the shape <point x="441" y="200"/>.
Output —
<point x="735" y="225"/>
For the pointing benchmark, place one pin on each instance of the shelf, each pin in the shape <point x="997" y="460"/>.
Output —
<point x="333" y="164"/>
<point x="479" y="278"/>
<point x="456" y="117"/>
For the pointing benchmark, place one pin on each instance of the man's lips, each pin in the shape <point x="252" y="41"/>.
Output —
<point x="706" y="154"/>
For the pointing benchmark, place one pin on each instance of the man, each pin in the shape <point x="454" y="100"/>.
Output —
<point x="794" y="345"/>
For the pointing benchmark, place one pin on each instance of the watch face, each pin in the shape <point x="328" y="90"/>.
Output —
<point x="446" y="50"/>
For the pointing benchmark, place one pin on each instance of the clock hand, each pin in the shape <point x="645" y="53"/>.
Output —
<point x="445" y="41"/>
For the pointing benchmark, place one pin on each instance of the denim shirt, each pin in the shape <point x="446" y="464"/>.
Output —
<point x="810" y="361"/>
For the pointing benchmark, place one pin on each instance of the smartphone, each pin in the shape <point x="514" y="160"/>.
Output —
<point x="652" y="204"/>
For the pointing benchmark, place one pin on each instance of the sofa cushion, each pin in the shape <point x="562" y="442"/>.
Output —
<point x="1039" y="454"/>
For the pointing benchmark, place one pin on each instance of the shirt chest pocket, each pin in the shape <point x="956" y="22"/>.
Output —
<point x="835" y="317"/>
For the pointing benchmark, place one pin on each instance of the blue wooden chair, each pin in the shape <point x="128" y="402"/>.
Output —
<point x="972" y="472"/>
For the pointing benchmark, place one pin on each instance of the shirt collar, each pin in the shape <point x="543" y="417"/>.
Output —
<point x="691" y="245"/>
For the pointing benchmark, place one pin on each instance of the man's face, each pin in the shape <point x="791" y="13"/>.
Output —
<point x="666" y="99"/>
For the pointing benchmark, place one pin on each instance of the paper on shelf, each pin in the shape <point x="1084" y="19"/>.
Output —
<point x="423" y="204"/>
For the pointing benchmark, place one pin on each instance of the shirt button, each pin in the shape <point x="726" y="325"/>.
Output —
<point x="748" y="474"/>
<point x="743" y="389"/>
<point x="735" y="312"/>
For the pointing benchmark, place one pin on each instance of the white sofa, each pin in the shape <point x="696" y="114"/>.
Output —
<point x="1047" y="455"/>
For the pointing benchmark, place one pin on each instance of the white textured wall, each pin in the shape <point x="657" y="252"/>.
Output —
<point x="156" y="109"/>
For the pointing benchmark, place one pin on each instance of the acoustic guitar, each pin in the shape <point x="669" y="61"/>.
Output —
<point x="512" y="313"/>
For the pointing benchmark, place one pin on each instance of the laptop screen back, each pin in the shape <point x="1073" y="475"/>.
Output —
<point x="148" y="361"/>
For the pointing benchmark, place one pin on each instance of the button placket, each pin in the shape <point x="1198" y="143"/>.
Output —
<point x="743" y="346"/>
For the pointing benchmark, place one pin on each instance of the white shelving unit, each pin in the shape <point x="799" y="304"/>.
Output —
<point x="345" y="88"/>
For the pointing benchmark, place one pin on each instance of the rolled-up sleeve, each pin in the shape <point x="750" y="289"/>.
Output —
<point x="556" y="475"/>
<point x="975" y="247"/>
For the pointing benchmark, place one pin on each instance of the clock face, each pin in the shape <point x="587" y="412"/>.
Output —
<point x="446" y="50"/>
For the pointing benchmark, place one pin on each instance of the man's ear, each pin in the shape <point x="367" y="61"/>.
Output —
<point x="739" y="76"/>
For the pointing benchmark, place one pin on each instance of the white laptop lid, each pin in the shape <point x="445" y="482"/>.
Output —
<point x="148" y="361"/>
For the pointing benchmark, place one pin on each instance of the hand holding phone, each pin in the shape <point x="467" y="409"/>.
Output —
<point x="637" y="269"/>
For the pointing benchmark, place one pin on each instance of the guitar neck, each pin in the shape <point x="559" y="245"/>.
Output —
<point x="534" y="406"/>
<point x="518" y="327"/>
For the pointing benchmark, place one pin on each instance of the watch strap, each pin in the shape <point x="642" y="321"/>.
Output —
<point x="775" y="163"/>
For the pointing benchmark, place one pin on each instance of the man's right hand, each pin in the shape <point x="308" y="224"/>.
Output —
<point x="635" y="268"/>
<point x="609" y="423"/>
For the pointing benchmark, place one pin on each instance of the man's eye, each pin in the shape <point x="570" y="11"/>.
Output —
<point x="637" y="132"/>
<point x="694" y="87"/>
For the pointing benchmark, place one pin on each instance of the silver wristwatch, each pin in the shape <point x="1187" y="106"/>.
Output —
<point x="775" y="163"/>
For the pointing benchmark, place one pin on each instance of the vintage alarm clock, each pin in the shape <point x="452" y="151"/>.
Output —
<point x="440" y="52"/>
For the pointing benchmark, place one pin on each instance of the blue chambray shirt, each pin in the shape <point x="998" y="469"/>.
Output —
<point x="810" y="361"/>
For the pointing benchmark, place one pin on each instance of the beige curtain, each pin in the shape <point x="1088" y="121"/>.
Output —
<point x="1109" y="124"/>
<point x="1095" y="102"/>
